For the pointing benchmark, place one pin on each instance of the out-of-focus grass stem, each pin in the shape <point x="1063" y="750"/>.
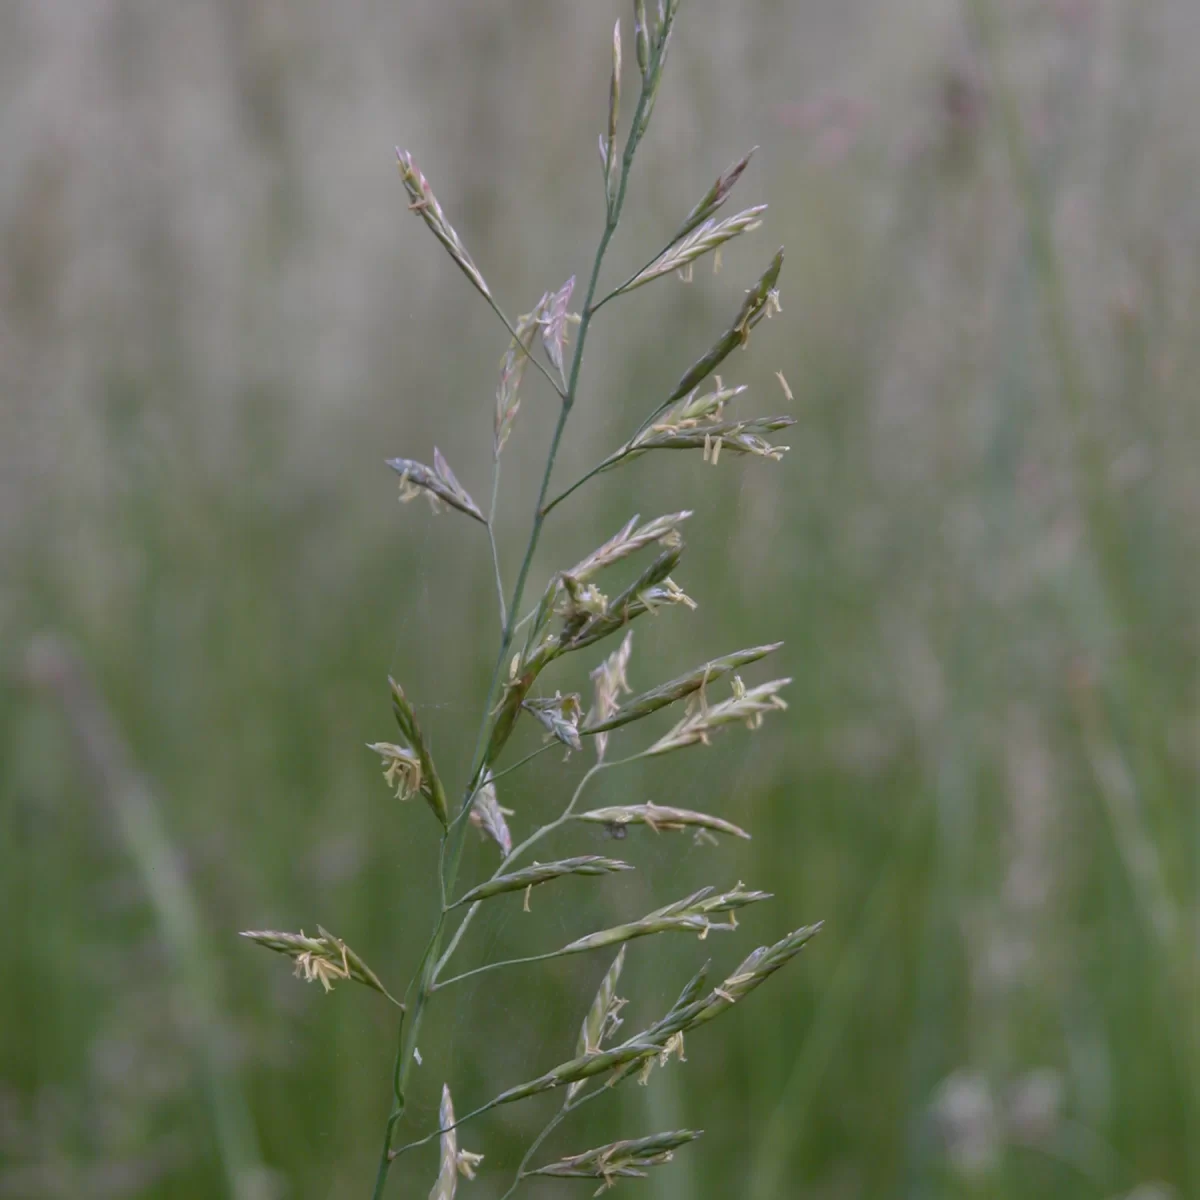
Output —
<point x="53" y="668"/>
<point x="1123" y="801"/>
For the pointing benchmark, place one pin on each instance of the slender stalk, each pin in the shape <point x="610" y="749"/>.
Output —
<point x="644" y="267"/>
<point x="495" y="966"/>
<point x="551" y="1125"/>
<point x="555" y="1121"/>
<point x="554" y="383"/>
<point x="576" y="486"/>
<point x="522" y="761"/>
<point x="423" y="987"/>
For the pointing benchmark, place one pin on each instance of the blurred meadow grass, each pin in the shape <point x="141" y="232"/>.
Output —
<point x="216" y="321"/>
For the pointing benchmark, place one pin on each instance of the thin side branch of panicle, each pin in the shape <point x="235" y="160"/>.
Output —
<point x="747" y="706"/>
<point x="489" y="817"/>
<point x="677" y="689"/>
<point x="554" y="326"/>
<point x="609" y="682"/>
<point x="659" y="817"/>
<point x="653" y="589"/>
<point x="693" y="914"/>
<point x="659" y="40"/>
<point x="568" y="593"/>
<point x="641" y="33"/>
<point x="452" y="1162"/>
<point x="528" y="877"/>
<point x="425" y="203"/>
<point x="559" y="715"/>
<point x="588" y="616"/>
<point x="437" y="483"/>
<point x="761" y="301"/>
<point x="621" y="1160"/>
<point x="629" y="539"/>
<point x="323" y="959"/>
<point x="608" y="145"/>
<point x="693" y="1008"/>
<point x="512" y="371"/>
<point x="692" y="421"/>
<point x="602" y="1016"/>
<point x="715" y="196"/>
<point x="738" y="437"/>
<point x="753" y="971"/>
<point x="703" y="239"/>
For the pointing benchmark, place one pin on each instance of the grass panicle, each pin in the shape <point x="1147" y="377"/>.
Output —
<point x="573" y="615"/>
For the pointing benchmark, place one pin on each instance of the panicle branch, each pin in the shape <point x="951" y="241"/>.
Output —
<point x="426" y="205"/>
<point x="620" y="1160"/>
<point x="436" y="483"/>
<point x="747" y="705"/>
<point x="324" y="959"/>
<point x="703" y="239"/>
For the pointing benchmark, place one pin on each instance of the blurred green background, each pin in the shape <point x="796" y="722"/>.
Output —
<point x="217" y="319"/>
